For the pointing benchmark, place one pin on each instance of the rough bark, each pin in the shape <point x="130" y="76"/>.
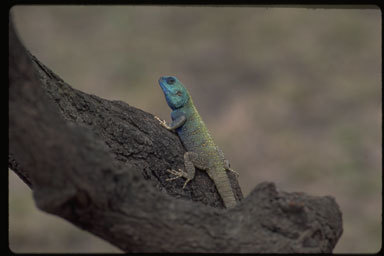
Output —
<point x="101" y="165"/>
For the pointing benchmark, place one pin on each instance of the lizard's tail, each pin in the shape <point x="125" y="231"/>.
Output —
<point x="223" y="186"/>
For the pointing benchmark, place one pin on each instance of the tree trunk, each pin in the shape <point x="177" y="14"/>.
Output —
<point x="102" y="164"/>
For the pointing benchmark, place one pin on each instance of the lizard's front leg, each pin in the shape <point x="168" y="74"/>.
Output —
<point x="191" y="159"/>
<point x="175" y="123"/>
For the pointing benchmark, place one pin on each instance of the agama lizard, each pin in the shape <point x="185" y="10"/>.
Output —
<point x="201" y="150"/>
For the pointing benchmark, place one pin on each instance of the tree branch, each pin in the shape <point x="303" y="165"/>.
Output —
<point x="101" y="165"/>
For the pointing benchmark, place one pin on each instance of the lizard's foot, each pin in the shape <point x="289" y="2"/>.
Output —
<point x="162" y="123"/>
<point x="178" y="174"/>
<point x="235" y="172"/>
<point x="227" y="166"/>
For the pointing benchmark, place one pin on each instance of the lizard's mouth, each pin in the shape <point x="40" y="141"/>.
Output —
<point x="161" y="83"/>
<point x="164" y="85"/>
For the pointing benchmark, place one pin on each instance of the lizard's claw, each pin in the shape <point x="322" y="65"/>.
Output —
<point x="186" y="182"/>
<point x="178" y="174"/>
<point x="227" y="166"/>
<point x="162" y="122"/>
<point x="235" y="172"/>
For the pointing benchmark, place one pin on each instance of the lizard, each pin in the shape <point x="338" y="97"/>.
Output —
<point x="202" y="152"/>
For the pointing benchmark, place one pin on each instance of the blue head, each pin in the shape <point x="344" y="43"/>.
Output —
<point x="175" y="93"/>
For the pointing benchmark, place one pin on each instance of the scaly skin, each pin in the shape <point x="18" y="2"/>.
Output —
<point x="201" y="150"/>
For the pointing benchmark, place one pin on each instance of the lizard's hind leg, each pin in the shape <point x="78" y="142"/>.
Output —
<point x="228" y="167"/>
<point x="191" y="159"/>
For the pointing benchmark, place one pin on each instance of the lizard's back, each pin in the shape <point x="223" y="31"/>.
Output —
<point x="195" y="135"/>
<point x="196" y="138"/>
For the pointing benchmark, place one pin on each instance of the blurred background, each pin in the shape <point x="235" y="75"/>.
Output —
<point x="291" y="95"/>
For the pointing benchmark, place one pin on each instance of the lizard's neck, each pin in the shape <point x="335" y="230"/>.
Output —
<point x="189" y="107"/>
<point x="189" y="104"/>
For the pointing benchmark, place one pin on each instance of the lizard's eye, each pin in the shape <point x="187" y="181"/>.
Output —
<point x="171" y="80"/>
